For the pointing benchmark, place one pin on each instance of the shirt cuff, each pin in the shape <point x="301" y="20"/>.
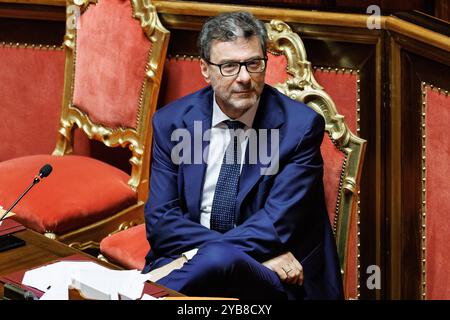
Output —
<point x="190" y="254"/>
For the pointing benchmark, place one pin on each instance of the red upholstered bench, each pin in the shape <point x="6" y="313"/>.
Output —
<point x="127" y="248"/>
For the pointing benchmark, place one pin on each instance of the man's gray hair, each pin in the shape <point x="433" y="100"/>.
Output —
<point x="229" y="26"/>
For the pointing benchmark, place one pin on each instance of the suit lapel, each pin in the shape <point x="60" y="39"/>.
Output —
<point x="197" y="121"/>
<point x="269" y="116"/>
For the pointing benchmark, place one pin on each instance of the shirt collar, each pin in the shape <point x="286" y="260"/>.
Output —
<point x="218" y="116"/>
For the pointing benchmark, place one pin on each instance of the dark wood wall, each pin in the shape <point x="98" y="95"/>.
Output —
<point x="437" y="8"/>
<point x="412" y="61"/>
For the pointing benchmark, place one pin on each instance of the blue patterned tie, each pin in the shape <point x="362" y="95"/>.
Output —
<point x="224" y="202"/>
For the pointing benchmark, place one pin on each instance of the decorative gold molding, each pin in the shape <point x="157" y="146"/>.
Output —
<point x="84" y="3"/>
<point x="126" y="225"/>
<point x="85" y="245"/>
<point x="145" y="12"/>
<point x="51" y="235"/>
<point x="304" y="87"/>
<point x="284" y="41"/>
<point x="102" y="258"/>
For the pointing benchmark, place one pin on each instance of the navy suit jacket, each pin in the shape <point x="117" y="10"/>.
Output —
<point x="276" y="213"/>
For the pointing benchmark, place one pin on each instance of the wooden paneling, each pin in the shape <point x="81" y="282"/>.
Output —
<point x="31" y="31"/>
<point x="385" y="5"/>
<point x="442" y="10"/>
<point x="412" y="61"/>
<point x="33" y="10"/>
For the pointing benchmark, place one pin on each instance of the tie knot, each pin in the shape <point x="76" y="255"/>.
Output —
<point x="234" y="124"/>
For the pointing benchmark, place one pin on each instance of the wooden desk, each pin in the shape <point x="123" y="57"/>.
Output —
<point x="40" y="250"/>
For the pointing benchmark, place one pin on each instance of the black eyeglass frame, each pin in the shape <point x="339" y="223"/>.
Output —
<point x="240" y="66"/>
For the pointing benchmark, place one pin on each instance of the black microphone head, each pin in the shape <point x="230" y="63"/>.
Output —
<point x="45" y="171"/>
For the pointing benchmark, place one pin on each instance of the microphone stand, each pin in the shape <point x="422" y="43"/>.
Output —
<point x="9" y="241"/>
<point x="36" y="180"/>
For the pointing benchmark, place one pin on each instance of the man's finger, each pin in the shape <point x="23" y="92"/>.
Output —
<point x="300" y="269"/>
<point x="300" y="277"/>
<point x="281" y="273"/>
<point x="293" y="276"/>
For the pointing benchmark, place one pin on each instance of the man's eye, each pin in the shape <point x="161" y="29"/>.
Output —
<point x="254" y="63"/>
<point x="230" y="66"/>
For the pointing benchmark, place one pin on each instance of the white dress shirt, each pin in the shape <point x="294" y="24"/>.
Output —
<point x="219" y="140"/>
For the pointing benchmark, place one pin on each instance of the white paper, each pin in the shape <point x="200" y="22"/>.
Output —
<point x="56" y="292"/>
<point x="58" y="273"/>
<point x="93" y="280"/>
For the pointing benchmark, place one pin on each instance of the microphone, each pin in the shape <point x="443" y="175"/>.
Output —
<point x="9" y="241"/>
<point x="44" y="172"/>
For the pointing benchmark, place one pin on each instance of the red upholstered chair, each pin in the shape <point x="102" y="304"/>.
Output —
<point x="113" y="67"/>
<point x="291" y="73"/>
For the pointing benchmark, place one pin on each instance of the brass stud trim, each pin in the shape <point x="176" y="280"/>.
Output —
<point x="423" y="238"/>
<point x="358" y="130"/>
<point x="35" y="46"/>
<point x="423" y="230"/>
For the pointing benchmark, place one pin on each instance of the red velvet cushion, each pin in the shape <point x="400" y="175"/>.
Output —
<point x="127" y="248"/>
<point x="437" y="263"/>
<point x="78" y="192"/>
<point x="180" y="77"/>
<point x="111" y="58"/>
<point x="23" y="129"/>
<point x="342" y="88"/>
<point x="333" y="161"/>
<point x="276" y="69"/>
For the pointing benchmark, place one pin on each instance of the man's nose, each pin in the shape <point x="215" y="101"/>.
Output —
<point x="243" y="75"/>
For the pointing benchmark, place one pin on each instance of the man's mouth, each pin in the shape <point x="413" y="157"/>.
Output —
<point x="243" y="91"/>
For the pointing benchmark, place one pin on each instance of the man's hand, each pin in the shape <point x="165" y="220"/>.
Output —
<point x="287" y="268"/>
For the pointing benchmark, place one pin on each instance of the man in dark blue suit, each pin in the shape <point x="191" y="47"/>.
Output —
<point x="236" y="205"/>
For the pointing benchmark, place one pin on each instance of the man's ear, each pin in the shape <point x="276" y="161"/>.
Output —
<point x="205" y="70"/>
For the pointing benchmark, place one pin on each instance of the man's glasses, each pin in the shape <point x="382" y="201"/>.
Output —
<point x="229" y="69"/>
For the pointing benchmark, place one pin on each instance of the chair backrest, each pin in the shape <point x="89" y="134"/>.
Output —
<point x="342" y="150"/>
<point x="115" y="51"/>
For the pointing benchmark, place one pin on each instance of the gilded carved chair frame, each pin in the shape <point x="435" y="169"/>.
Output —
<point x="302" y="86"/>
<point x="138" y="139"/>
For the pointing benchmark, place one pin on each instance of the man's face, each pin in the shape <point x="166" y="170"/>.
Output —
<point x="234" y="94"/>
